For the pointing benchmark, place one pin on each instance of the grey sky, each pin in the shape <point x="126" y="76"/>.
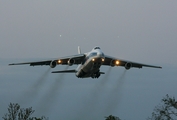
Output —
<point x="137" y="30"/>
<point x="141" y="31"/>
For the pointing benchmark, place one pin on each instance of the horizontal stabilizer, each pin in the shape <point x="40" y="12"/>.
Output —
<point x="102" y="73"/>
<point x="65" y="71"/>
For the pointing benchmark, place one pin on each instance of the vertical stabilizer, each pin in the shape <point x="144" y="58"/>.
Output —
<point x="79" y="50"/>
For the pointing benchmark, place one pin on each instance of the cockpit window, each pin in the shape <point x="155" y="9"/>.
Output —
<point x="96" y="48"/>
<point x="93" y="54"/>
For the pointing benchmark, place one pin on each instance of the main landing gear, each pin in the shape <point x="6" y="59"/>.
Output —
<point x="96" y="75"/>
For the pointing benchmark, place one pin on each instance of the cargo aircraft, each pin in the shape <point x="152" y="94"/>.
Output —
<point x="88" y="63"/>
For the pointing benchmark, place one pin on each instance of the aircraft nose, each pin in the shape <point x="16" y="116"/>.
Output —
<point x="100" y="54"/>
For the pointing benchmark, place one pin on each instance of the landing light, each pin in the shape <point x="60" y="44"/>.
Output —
<point x="93" y="59"/>
<point x="102" y="60"/>
<point x="59" y="61"/>
<point x="117" y="62"/>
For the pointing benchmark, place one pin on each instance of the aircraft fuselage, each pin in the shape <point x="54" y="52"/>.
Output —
<point x="90" y="66"/>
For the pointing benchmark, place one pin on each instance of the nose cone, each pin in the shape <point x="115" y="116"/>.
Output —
<point x="100" y="54"/>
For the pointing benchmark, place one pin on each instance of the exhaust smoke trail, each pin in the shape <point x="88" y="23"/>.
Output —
<point x="51" y="95"/>
<point x="33" y="91"/>
<point x="42" y="79"/>
<point x="115" y="94"/>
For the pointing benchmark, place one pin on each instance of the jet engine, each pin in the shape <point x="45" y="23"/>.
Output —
<point x="53" y="64"/>
<point x="128" y="65"/>
<point x="114" y="62"/>
<point x="71" y="62"/>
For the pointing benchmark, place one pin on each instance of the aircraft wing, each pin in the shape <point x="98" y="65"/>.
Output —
<point x="111" y="61"/>
<point x="76" y="59"/>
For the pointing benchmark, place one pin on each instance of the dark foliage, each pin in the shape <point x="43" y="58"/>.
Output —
<point x="111" y="117"/>
<point x="17" y="113"/>
<point x="167" y="111"/>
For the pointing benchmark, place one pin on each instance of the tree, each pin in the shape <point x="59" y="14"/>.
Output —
<point x="168" y="111"/>
<point x="17" y="113"/>
<point x="111" y="117"/>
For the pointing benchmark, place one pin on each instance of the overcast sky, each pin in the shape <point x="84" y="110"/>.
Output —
<point x="141" y="31"/>
<point x="138" y="30"/>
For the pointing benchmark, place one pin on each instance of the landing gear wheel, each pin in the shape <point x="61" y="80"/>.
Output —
<point x="96" y="75"/>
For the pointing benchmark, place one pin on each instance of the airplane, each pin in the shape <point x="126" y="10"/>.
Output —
<point x="88" y="63"/>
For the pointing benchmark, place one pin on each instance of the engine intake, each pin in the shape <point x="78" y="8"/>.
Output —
<point x="53" y="64"/>
<point x="71" y="62"/>
<point x="128" y="66"/>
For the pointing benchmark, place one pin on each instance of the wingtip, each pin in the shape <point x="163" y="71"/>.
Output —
<point x="159" y="67"/>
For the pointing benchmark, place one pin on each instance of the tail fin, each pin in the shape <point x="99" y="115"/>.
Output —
<point x="79" y="50"/>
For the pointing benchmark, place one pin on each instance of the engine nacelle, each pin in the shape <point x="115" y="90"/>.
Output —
<point x="53" y="64"/>
<point x="112" y="64"/>
<point x="71" y="62"/>
<point x="128" y="66"/>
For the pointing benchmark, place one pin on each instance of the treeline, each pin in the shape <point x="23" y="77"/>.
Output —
<point x="167" y="110"/>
